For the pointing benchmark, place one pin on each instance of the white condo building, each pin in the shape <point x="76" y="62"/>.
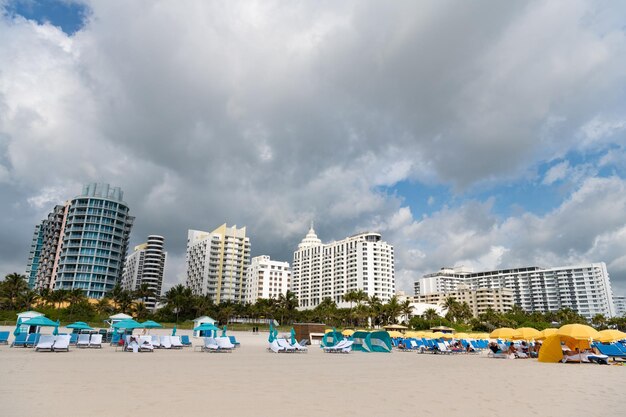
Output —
<point x="585" y="289"/>
<point x="217" y="262"/>
<point x="360" y="262"/>
<point x="145" y="266"/>
<point x="619" y="302"/>
<point x="266" y="278"/>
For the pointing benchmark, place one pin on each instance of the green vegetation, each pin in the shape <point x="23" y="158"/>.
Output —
<point x="181" y="306"/>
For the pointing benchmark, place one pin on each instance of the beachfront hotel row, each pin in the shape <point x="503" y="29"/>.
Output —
<point x="83" y="244"/>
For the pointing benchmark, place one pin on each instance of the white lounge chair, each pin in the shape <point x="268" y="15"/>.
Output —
<point x="145" y="344"/>
<point x="156" y="341"/>
<point x="443" y="348"/>
<point x="83" y="340"/>
<point x="210" y="345"/>
<point x="62" y="343"/>
<point x="166" y="343"/>
<point x="344" y="346"/>
<point x="300" y="348"/>
<point x="224" y="343"/>
<point x="176" y="343"/>
<point x="46" y="342"/>
<point x="285" y="344"/>
<point x="275" y="347"/>
<point x="95" y="341"/>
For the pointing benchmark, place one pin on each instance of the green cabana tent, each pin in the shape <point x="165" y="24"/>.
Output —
<point x="371" y="341"/>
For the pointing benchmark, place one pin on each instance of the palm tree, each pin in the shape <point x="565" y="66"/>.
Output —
<point x="143" y="292"/>
<point x="453" y="306"/>
<point x="392" y="309"/>
<point x="178" y="297"/>
<point x="13" y="286"/>
<point x="375" y="310"/>
<point x="287" y="304"/>
<point x="46" y="297"/>
<point x="75" y="297"/>
<point x="27" y="300"/>
<point x="140" y="311"/>
<point x="103" y="306"/>
<point x="430" y="314"/>
<point x="407" y="310"/>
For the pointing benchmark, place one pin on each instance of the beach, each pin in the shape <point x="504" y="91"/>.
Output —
<point x="253" y="382"/>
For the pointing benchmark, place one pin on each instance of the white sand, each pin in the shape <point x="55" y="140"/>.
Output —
<point x="253" y="382"/>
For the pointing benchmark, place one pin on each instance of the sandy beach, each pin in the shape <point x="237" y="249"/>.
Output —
<point x="253" y="382"/>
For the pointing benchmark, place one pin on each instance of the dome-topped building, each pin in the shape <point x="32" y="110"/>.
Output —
<point x="310" y="239"/>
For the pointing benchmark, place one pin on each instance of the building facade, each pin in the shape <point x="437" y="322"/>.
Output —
<point x="84" y="242"/>
<point x="145" y="266"/>
<point x="266" y="278"/>
<point x="217" y="262"/>
<point x="360" y="262"/>
<point x="34" y="256"/>
<point x="479" y="300"/>
<point x="585" y="289"/>
<point x="619" y="302"/>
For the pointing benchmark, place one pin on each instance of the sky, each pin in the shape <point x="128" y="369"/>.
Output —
<point x="487" y="134"/>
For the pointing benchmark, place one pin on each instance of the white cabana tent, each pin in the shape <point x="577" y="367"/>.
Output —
<point x="118" y="317"/>
<point x="201" y="320"/>
<point x="27" y="315"/>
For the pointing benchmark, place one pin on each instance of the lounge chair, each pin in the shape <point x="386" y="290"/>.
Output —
<point x="95" y="341"/>
<point x="62" y="343"/>
<point x="184" y="339"/>
<point x="344" y="346"/>
<point x="611" y="350"/>
<point x="275" y="347"/>
<point x="443" y="348"/>
<point x="32" y="340"/>
<point x="210" y="345"/>
<point x="234" y="341"/>
<point x="20" y="340"/>
<point x="45" y="343"/>
<point x="224" y="344"/>
<point x="166" y="343"/>
<point x="145" y="344"/>
<point x="83" y="340"/>
<point x="284" y="343"/>
<point x="156" y="342"/>
<point x="300" y="348"/>
<point x="115" y="339"/>
<point x="175" y="341"/>
<point x="4" y="338"/>
<point x="73" y="338"/>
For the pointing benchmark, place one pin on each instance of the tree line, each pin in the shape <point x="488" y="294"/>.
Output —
<point x="179" y="304"/>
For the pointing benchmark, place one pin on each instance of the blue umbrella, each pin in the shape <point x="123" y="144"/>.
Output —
<point x="80" y="325"/>
<point x="40" y="321"/>
<point x="293" y="336"/>
<point x="149" y="324"/>
<point x="174" y="331"/>
<point x="272" y="337"/>
<point x="224" y="331"/>
<point x="17" y="327"/>
<point x="127" y="324"/>
<point x="56" y="329"/>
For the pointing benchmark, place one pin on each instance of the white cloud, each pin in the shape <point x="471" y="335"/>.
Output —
<point x="556" y="173"/>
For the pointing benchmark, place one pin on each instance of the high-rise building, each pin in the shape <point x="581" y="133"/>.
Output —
<point x="145" y="266"/>
<point x="83" y="242"/>
<point x="585" y="289"/>
<point x="620" y="305"/>
<point x="217" y="262"/>
<point x="360" y="262"/>
<point x="478" y="300"/>
<point x="266" y="278"/>
<point x="33" y="257"/>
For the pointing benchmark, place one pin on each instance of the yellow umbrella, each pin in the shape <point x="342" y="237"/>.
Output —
<point x="435" y="335"/>
<point x="462" y="336"/>
<point x="395" y="333"/>
<point x="578" y="331"/>
<point x="347" y="332"/>
<point x="545" y="333"/>
<point x="412" y="334"/>
<point x="448" y="336"/>
<point x="610" y="335"/>
<point x="328" y="330"/>
<point x="502" y="333"/>
<point x="526" y="333"/>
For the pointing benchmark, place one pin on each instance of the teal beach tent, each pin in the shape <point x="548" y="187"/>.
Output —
<point x="379" y="341"/>
<point x="331" y="338"/>
<point x="359" y="341"/>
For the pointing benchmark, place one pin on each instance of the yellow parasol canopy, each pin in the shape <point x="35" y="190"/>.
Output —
<point x="448" y="336"/>
<point x="578" y="331"/>
<point x="502" y="333"/>
<point x="435" y="335"/>
<point x="395" y="333"/>
<point x="347" y="332"/>
<point x="547" y="332"/>
<point x="526" y="333"/>
<point x="328" y="330"/>
<point x="610" y="335"/>
<point x="461" y="336"/>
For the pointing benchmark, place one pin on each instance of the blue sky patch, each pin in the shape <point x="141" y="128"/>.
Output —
<point x="67" y="15"/>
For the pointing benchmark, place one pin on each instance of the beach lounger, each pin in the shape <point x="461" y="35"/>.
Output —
<point x="115" y="339"/>
<point x="20" y="340"/>
<point x="610" y="350"/>
<point x="45" y="343"/>
<point x="83" y="340"/>
<point x="234" y="341"/>
<point x="4" y="338"/>
<point x="175" y="341"/>
<point x="224" y="344"/>
<point x="145" y="344"/>
<point x="166" y="342"/>
<point x="304" y="342"/>
<point x="32" y="340"/>
<point x="300" y="348"/>
<point x="275" y="347"/>
<point x="62" y="343"/>
<point x="443" y="348"/>
<point x="285" y="344"/>
<point x="156" y="342"/>
<point x="210" y="345"/>
<point x="73" y="338"/>
<point x="95" y="341"/>
<point x="184" y="339"/>
<point x="344" y="346"/>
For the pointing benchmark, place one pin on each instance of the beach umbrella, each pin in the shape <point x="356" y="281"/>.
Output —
<point x="447" y="336"/>
<point x="502" y="333"/>
<point x="461" y="336"/>
<point x="394" y="334"/>
<point x="205" y="327"/>
<point x="80" y="325"/>
<point x="328" y="330"/>
<point x="128" y="324"/>
<point x="40" y="321"/>
<point x="224" y="331"/>
<point x="149" y="324"/>
<point x="610" y="335"/>
<point x="578" y="331"/>
<point x="526" y="333"/>
<point x="293" y="336"/>
<point x="174" y="331"/>
<point x="547" y="332"/>
<point x="56" y="328"/>
<point x="347" y="332"/>
<point x="17" y="327"/>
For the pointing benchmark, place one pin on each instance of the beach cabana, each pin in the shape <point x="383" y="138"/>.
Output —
<point x="42" y="321"/>
<point x="197" y="322"/>
<point x="116" y="318"/>
<point x="379" y="342"/>
<point x="331" y="338"/>
<point x="25" y="316"/>
<point x="359" y="341"/>
<point x="204" y="329"/>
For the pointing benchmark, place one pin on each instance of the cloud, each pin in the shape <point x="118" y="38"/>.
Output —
<point x="270" y="115"/>
<point x="556" y="173"/>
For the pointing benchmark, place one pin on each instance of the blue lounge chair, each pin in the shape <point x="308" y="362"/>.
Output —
<point x="73" y="338"/>
<point x="4" y="338"/>
<point x="32" y="340"/>
<point x="20" y="340"/>
<point x="115" y="340"/>
<point x="234" y="341"/>
<point x="184" y="339"/>
<point x="610" y="350"/>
